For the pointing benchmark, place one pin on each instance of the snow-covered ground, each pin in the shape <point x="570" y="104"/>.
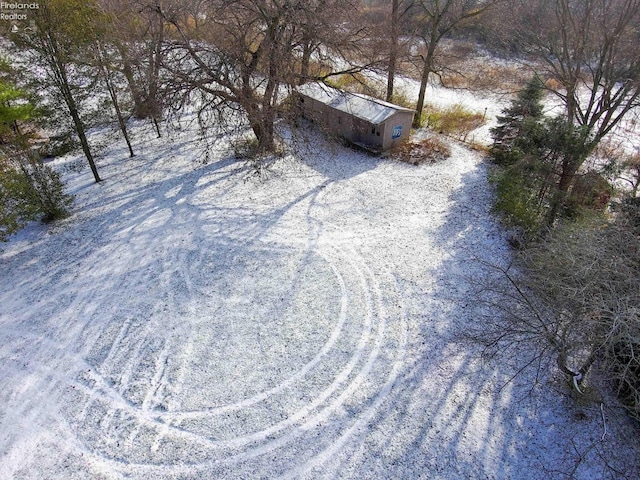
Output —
<point x="193" y="321"/>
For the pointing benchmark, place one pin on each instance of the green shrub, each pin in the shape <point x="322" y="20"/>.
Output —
<point x="516" y="203"/>
<point x="29" y="189"/>
<point x="16" y="205"/>
<point x="48" y="191"/>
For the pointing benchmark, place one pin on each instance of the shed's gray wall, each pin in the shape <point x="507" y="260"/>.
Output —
<point x="355" y="129"/>
<point x="398" y="119"/>
<point x="367" y="133"/>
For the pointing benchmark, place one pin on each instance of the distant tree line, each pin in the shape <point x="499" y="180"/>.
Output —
<point x="146" y="58"/>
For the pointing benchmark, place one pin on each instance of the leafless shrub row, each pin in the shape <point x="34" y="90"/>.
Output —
<point x="575" y="297"/>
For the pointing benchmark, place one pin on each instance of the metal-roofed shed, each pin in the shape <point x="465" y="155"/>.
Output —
<point x="360" y="119"/>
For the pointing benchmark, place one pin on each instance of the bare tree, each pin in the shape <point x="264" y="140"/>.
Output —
<point x="393" y="47"/>
<point x="574" y="299"/>
<point x="394" y="27"/>
<point x="107" y="72"/>
<point x="64" y="29"/>
<point x="326" y="28"/>
<point x="631" y="172"/>
<point x="137" y="32"/>
<point x="589" y="48"/>
<point x="241" y="54"/>
<point x="434" y="20"/>
<point x="154" y="37"/>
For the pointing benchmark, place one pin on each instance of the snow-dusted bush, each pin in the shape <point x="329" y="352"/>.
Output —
<point x="46" y="191"/>
<point x="575" y="299"/>
<point x="516" y="203"/>
<point x="29" y="189"/>
<point x="16" y="206"/>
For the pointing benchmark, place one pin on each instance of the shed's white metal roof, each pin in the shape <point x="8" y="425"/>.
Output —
<point x="362" y="106"/>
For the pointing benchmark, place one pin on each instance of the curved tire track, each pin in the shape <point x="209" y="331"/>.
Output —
<point x="126" y="421"/>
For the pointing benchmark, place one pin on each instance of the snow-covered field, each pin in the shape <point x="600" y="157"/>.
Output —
<point x="193" y="321"/>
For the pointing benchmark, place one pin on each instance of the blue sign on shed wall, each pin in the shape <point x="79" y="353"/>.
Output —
<point x="397" y="132"/>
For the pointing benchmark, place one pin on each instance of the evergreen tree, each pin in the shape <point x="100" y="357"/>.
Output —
<point x="588" y="48"/>
<point x="518" y="132"/>
<point x="534" y="151"/>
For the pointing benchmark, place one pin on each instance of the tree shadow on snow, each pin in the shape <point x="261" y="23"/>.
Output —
<point x="454" y="414"/>
<point x="164" y="240"/>
<point x="329" y="156"/>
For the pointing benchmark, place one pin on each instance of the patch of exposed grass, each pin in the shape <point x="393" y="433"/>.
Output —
<point x="358" y="83"/>
<point x="485" y="76"/>
<point x="455" y="121"/>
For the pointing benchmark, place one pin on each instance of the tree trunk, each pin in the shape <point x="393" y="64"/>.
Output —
<point x="304" y="63"/>
<point x="562" y="192"/>
<point x="262" y="117"/>
<point x="121" y="121"/>
<point x="264" y="132"/>
<point x="75" y="116"/>
<point x="155" y="59"/>
<point x="431" y="44"/>
<point x="393" y="50"/>
<point x="266" y="142"/>
<point x="423" y="88"/>
<point x="157" y="125"/>
<point x="577" y="149"/>
<point x="80" y="130"/>
<point x="136" y="95"/>
<point x="57" y="64"/>
<point x="135" y="92"/>
<point x="114" y="99"/>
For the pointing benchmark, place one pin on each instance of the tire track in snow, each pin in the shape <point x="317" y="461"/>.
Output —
<point x="356" y="385"/>
<point x="300" y="373"/>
